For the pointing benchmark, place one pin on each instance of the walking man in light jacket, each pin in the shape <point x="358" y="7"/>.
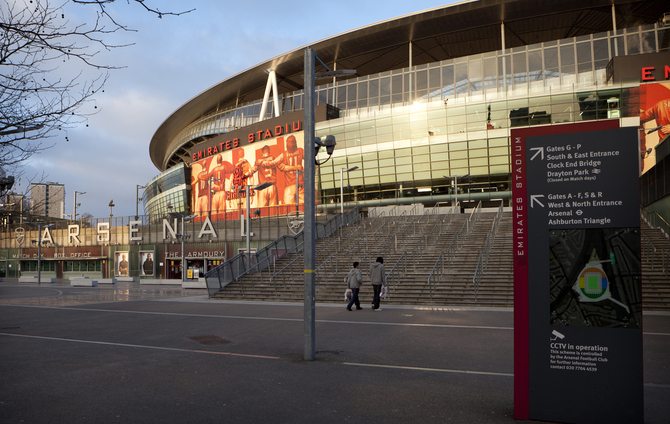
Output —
<point x="354" y="280"/>
<point x="377" y="276"/>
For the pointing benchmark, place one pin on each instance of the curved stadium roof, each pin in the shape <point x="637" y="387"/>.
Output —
<point x="447" y="32"/>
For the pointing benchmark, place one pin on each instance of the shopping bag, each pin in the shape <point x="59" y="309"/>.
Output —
<point x="347" y="295"/>
<point x="382" y="295"/>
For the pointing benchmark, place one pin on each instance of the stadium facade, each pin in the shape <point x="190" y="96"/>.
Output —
<point x="422" y="111"/>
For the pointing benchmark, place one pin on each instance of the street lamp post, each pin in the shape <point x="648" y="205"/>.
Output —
<point x="183" y="239"/>
<point x="137" y="200"/>
<point x="111" y="205"/>
<point x="309" y="209"/>
<point x="39" y="248"/>
<point x="310" y="192"/>
<point x="74" y="209"/>
<point x="455" y="177"/>
<point x="342" y="186"/>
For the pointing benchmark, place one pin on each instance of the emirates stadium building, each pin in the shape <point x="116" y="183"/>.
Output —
<point x="424" y="108"/>
<point x="421" y="107"/>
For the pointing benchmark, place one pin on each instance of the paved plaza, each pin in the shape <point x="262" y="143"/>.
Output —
<point x="128" y="353"/>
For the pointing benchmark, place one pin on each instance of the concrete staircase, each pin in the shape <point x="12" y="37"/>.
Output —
<point x="655" y="269"/>
<point x="391" y="237"/>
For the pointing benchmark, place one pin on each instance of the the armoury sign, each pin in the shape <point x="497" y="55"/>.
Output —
<point x="74" y="235"/>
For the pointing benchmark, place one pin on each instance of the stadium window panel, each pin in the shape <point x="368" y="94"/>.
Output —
<point x="633" y="44"/>
<point x="459" y="154"/>
<point x="478" y="153"/>
<point x="422" y="175"/>
<point x="477" y="144"/>
<point x="386" y="154"/>
<point x="340" y="162"/>
<point x="441" y="164"/>
<point x="460" y="163"/>
<point x="482" y="161"/>
<point x="387" y="171"/>
<point x="421" y="81"/>
<point x="370" y="172"/>
<point x="400" y="169"/>
<point x="648" y="42"/>
<point x="498" y="160"/>
<point x="479" y="170"/>
<point x="584" y="53"/>
<point x="568" y="59"/>
<point x="371" y="180"/>
<point x="387" y="178"/>
<point x="420" y="150"/>
<point x="498" y="151"/>
<point x="461" y="145"/>
<point x="499" y="169"/>
<point x="367" y="131"/>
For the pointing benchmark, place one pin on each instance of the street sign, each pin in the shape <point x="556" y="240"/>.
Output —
<point x="578" y="307"/>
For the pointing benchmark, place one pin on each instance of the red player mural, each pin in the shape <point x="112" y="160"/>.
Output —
<point x="278" y="161"/>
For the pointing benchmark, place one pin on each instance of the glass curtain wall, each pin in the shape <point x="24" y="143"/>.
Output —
<point x="408" y="129"/>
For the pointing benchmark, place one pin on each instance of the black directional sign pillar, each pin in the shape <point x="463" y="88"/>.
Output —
<point x="578" y="307"/>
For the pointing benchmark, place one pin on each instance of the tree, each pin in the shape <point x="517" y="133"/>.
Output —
<point x="42" y="93"/>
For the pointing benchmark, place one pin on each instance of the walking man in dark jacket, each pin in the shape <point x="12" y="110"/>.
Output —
<point x="377" y="276"/>
<point x="354" y="280"/>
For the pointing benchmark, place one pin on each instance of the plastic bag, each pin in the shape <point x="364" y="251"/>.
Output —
<point x="347" y="295"/>
<point x="382" y="295"/>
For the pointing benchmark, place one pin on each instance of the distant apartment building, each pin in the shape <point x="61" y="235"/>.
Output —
<point x="47" y="199"/>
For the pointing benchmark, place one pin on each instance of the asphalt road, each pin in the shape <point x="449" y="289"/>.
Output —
<point x="128" y="354"/>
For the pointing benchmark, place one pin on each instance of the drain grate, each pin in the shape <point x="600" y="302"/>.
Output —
<point x="210" y="340"/>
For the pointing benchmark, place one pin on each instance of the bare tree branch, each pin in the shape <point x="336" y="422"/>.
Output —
<point x="43" y="91"/>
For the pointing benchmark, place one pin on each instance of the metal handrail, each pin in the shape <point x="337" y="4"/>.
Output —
<point x="224" y="274"/>
<point x="490" y="237"/>
<point x="281" y="271"/>
<point x="647" y="245"/>
<point x="451" y="250"/>
<point x="439" y="260"/>
<point x="652" y="218"/>
<point x="323" y="264"/>
<point x="477" y="277"/>
<point x="391" y="277"/>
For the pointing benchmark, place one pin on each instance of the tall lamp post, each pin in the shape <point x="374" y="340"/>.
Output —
<point x="183" y="239"/>
<point x="455" y="177"/>
<point x="310" y="193"/>
<point x="74" y="209"/>
<point x="39" y="248"/>
<point x="342" y="186"/>
<point x="111" y="205"/>
<point x="137" y="200"/>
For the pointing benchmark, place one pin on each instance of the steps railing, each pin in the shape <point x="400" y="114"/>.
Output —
<point x="245" y="263"/>
<point x="398" y="271"/>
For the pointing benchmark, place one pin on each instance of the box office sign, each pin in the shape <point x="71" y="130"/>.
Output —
<point x="577" y="289"/>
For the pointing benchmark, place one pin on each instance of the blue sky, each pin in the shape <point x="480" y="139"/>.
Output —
<point x="172" y="60"/>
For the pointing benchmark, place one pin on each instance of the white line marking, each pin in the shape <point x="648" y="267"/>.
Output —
<point x="479" y="327"/>
<point x="137" y="346"/>
<point x="502" y="374"/>
<point x="398" y="324"/>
